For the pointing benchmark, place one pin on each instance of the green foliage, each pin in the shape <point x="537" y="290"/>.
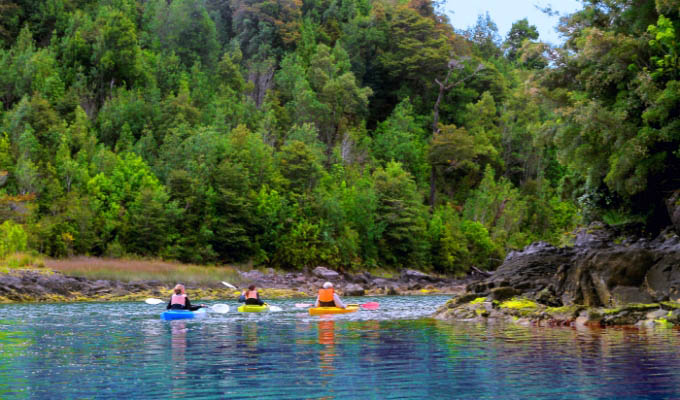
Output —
<point x="294" y="134"/>
<point x="520" y="32"/>
<point x="402" y="214"/>
<point x="13" y="239"/>
<point x="401" y="138"/>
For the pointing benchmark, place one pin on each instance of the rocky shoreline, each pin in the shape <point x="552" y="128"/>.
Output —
<point x="608" y="277"/>
<point x="44" y="285"/>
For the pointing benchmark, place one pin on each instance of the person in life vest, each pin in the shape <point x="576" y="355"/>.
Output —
<point x="328" y="298"/>
<point x="251" y="296"/>
<point x="180" y="301"/>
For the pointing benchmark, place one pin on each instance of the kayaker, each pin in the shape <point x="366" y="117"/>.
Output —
<point x="328" y="298"/>
<point x="180" y="301"/>
<point x="251" y="297"/>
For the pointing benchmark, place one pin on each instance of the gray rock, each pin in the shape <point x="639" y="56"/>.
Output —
<point x="252" y="275"/>
<point x="503" y="293"/>
<point x="673" y="206"/>
<point x="353" y="290"/>
<point x="415" y="275"/>
<point x="325" y="273"/>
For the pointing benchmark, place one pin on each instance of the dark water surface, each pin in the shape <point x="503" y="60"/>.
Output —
<point x="124" y="351"/>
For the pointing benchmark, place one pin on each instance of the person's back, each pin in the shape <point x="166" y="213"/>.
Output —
<point x="252" y="297"/>
<point x="180" y="301"/>
<point x="328" y="298"/>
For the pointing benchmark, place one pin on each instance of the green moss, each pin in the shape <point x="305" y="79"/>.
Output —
<point x="670" y="305"/>
<point x="630" y="307"/>
<point x="663" y="322"/>
<point x="519" y="303"/>
<point x="569" y="311"/>
<point x="478" y="300"/>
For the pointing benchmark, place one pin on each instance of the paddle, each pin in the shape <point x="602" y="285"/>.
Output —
<point x="218" y="308"/>
<point x="367" y="306"/>
<point x="229" y="285"/>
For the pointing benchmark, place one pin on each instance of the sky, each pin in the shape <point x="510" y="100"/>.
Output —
<point x="463" y="14"/>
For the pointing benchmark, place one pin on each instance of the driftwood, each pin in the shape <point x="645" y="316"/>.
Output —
<point x="481" y="271"/>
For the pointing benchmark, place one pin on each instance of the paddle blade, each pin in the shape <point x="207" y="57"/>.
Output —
<point x="370" y="306"/>
<point x="303" y="305"/>
<point x="153" y="301"/>
<point x="229" y="285"/>
<point x="220" y="308"/>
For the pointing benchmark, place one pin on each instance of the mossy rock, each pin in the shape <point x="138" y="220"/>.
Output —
<point x="519" y="303"/>
<point x="522" y="306"/>
<point x="478" y="300"/>
<point x="461" y="299"/>
<point x="670" y="305"/>
<point x="630" y="307"/>
<point x="503" y="293"/>
<point x="565" y="312"/>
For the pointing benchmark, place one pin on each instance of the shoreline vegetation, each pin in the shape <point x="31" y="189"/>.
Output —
<point x="28" y="278"/>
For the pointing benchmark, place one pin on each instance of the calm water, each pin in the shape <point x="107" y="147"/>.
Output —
<point x="123" y="351"/>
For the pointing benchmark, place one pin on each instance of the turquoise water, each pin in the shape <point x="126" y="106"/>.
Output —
<point x="124" y="351"/>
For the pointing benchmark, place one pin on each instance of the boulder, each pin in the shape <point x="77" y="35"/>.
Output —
<point x="673" y="206"/>
<point x="530" y="270"/>
<point x="663" y="279"/>
<point x="595" y="277"/>
<point x="252" y="275"/>
<point x="353" y="290"/>
<point x="416" y="275"/>
<point x="503" y="293"/>
<point x="325" y="273"/>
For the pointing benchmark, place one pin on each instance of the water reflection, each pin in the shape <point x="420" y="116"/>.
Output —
<point x="123" y="350"/>
<point x="178" y="344"/>
<point x="327" y="354"/>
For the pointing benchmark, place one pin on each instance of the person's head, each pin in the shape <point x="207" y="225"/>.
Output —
<point x="179" y="289"/>
<point x="327" y="285"/>
<point x="251" y="287"/>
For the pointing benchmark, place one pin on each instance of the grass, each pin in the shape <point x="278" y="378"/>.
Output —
<point x="128" y="270"/>
<point x="21" y="261"/>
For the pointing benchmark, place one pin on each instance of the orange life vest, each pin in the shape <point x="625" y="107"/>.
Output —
<point x="326" y="294"/>
<point x="251" y="294"/>
<point x="179" y="299"/>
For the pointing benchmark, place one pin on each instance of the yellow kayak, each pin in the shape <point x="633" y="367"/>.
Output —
<point x="253" y="308"/>
<point x="333" y="310"/>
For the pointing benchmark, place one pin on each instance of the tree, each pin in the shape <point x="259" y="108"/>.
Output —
<point x="519" y="32"/>
<point x="401" y="214"/>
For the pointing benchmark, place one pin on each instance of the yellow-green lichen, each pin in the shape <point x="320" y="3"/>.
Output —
<point x="672" y="305"/>
<point x="519" y="303"/>
<point x="630" y="307"/>
<point x="478" y="300"/>
<point x="663" y="322"/>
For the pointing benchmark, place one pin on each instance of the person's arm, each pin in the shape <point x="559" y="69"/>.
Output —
<point x="242" y="297"/>
<point x="337" y="300"/>
<point x="169" y="304"/>
<point x="316" y="303"/>
<point x="189" y="307"/>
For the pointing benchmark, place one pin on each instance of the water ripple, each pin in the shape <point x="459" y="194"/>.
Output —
<point x="114" y="350"/>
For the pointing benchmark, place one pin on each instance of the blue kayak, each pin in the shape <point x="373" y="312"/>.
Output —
<point x="182" y="314"/>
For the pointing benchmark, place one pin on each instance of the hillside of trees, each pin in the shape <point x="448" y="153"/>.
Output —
<point x="348" y="133"/>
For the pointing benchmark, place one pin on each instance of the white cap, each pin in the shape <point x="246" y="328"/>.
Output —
<point x="327" y="285"/>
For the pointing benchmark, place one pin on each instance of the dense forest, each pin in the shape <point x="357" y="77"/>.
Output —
<point x="348" y="133"/>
